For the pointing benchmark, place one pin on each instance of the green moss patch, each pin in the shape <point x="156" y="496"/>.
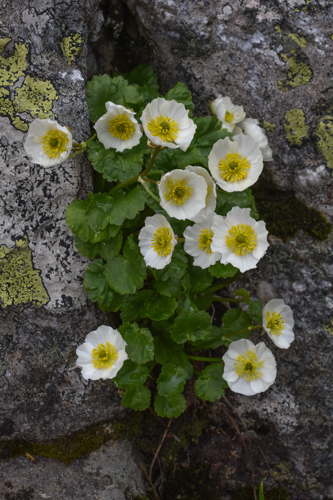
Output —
<point x="285" y="214"/>
<point x="192" y="483"/>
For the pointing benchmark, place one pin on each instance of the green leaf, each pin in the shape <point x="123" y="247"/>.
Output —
<point x="97" y="288"/>
<point x="110" y="248"/>
<point x="233" y="321"/>
<point x="160" y="308"/>
<point x="200" y="279"/>
<point x="191" y="327"/>
<point x="169" y="288"/>
<point x="86" y="248"/>
<point x="131" y="375"/>
<point x="134" y="307"/>
<point x="177" y="267"/>
<point x="110" y="231"/>
<point x="219" y="270"/>
<point x="212" y="341"/>
<point x="126" y="274"/>
<point x="171" y="380"/>
<point x="166" y="351"/>
<point x="140" y="343"/>
<point x="137" y="399"/>
<point x="241" y="292"/>
<point x="210" y="385"/>
<point x="261" y="491"/>
<point x="127" y="206"/>
<point x="114" y="165"/>
<point x="102" y="89"/>
<point x="77" y="220"/>
<point x="98" y="211"/>
<point x="255" y="310"/>
<point x="186" y="304"/>
<point x="209" y="130"/>
<point x="181" y="93"/>
<point x="242" y="199"/>
<point x="146" y="80"/>
<point x="203" y="302"/>
<point x="171" y="406"/>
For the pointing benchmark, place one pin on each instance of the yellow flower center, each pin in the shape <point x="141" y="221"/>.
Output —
<point x="104" y="356"/>
<point x="242" y="239"/>
<point x="121" y="127"/>
<point x="54" y="143"/>
<point x="234" y="167"/>
<point x="163" y="127"/>
<point x="274" y="323"/>
<point x="161" y="241"/>
<point x="205" y="239"/>
<point x="228" y="117"/>
<point x="178" y="192"/>
<point x="247" y="366"/>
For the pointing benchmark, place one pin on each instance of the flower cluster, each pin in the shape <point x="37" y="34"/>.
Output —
<point x="166" y="222"/>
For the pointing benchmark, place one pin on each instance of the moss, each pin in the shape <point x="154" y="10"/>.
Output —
<point x="191" y="483"/>
<point x="285" y="214"/>
<point x="270" y="127"/>
<point x="20" y="282"/>
<point x="324" y="134"/>
<point x="246" y="493"/>
<point x="295" y="127"/>
<point x="128" y="427"/>
<point x="65" y="449"/>
<point x="71" y="46"/>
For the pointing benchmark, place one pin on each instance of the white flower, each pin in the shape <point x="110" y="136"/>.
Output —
<point x="157" y="241"/>
<point x="278" y="322"/>
<point x="237" y="164"/>
<point x="229" y="114"/>
<point x="250" y="127"/>
<point x="183" y="193"/>
<point x="118" y="128"/>
<point x="241" y="240"/>
<point x="198" y="239"/>
<point x="102" y="354"/>
<point x="166" y="123"/>
<point x="248" y="368"/>
<point x="48" y="143"/>
<point x="211" y="193"/>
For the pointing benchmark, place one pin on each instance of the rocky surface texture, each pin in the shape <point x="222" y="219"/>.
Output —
<point x="275" y="59"/>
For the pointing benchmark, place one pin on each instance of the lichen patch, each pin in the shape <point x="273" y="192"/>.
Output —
<point x="71" y="46"/>
<point x="295" y="127"/>
<point x="324" y="134"/>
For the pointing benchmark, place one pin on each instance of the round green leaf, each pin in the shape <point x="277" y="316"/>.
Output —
<point x="131" y="375"/>
<point x="160" y="308"/>
<point x="140" y="343"/>
<point x="167" y="351"/>
<point x="171" y="406"/>
<point x="171" y="380"/>
<point x="255" y="310"/>
<point x="222" y="270"/>
<point x="137" y="399"/>
<point x="191" y="327"/>
<point x="210" y="385"/>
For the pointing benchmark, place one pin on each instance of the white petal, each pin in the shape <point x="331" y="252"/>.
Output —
<point x="242" y="386"/>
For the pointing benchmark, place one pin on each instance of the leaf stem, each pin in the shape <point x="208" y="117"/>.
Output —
<point x="245" y="330"/>
<point x="227" y="299"/>
<point x="225" y="283"/>
<point x="201" y="358"/>
<point x="143" y="174"/>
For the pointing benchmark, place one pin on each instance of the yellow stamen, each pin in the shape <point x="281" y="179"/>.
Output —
<point x="104" y="356"/>
<point x="205" y="240"/>
<point x="234" y="167"/>
<point x="161" y="241"/>
<point x="242" y="239"/>
<point x="164" y="127"/>
<point x="247" y="366"/>
<point x="54" y="143"/>
<point x="209" y="190"/>
<point x="121" y="127"/>
<point x="274" y="323"/>
<point x="178" y="192"/>
<point x="228" y="117"/>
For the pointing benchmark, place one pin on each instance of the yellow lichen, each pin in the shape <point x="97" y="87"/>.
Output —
<point x="295" y="127"/>
<point x="324" y="133"/>
<point x="278" y="29"/>
<point x="35" y="96"/>
<point x="71" y="46"/>
<point x="270" y="127"/>
<point x="12" y="67"/>
<point x="19" y="281"/>
<point x="299" y="73"/>
<point x="329" y="327"/>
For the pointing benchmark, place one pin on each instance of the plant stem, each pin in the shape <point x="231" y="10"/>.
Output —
<point x="181" y="240"/>
<point x="225" y="283"/>
<point x="245" y="330"/>
<point x="226" y="299"/>
<point x="143" y="174"/>
<point x="149" y="180"/>
<point x="200" y="358"/>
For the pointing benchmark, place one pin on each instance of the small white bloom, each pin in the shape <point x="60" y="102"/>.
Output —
<point x="198" y="239"/>
<point x="248" y="368"/>
<point x="241" y="240"/>
<point x="211" y="193"/>
<point x="102" y="354"/>
<point x="227" y="112"/>
<point x="250" y="127"/>
<point x="48" y="143"/>
<point x="237" y="164"/>
<point x="166" y="123"/>
<point x="278" y="322"/>
<point x="118" y="128"/>
<point x="157" y="241"/>
<point x="183" y="193"/>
